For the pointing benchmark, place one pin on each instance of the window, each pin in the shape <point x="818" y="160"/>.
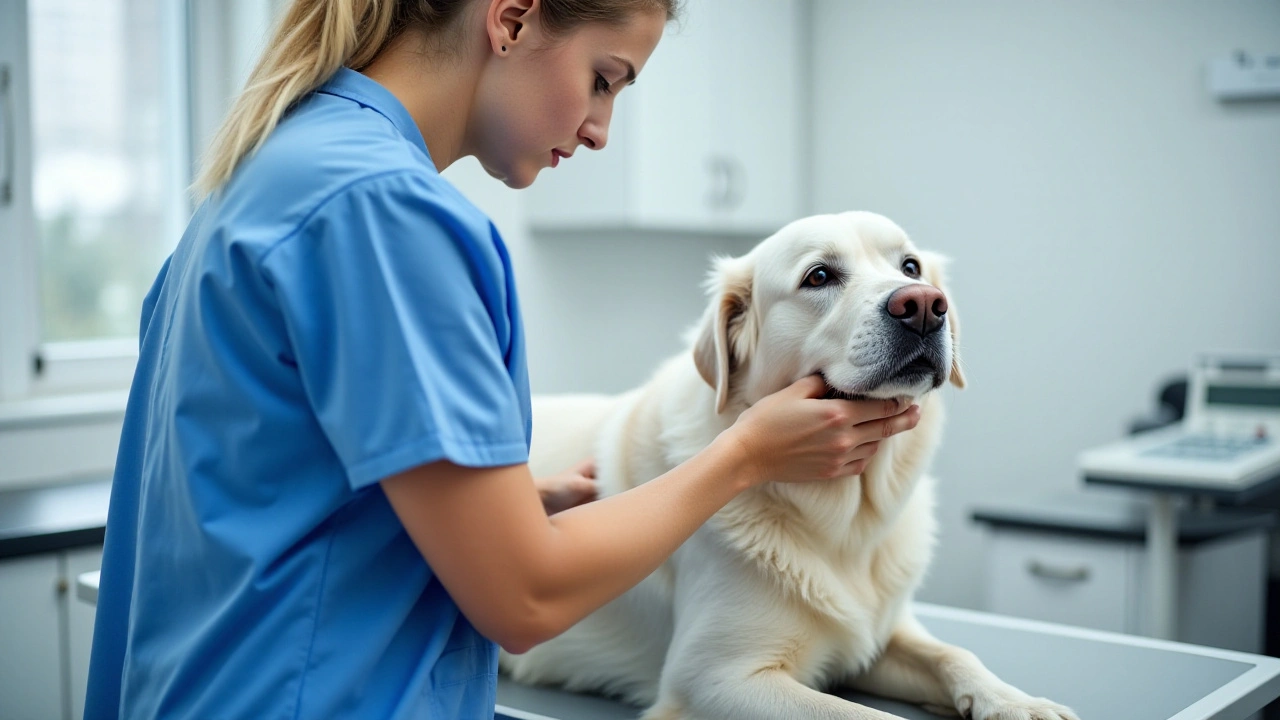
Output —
<point x="96" y="136"/>
<point x="108" y="160"/>
<point x="102" y="104"/>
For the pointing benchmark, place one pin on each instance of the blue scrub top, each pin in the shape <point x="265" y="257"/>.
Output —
<point x="336" y="314"/>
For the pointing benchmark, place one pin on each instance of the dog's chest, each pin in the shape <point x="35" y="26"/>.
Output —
<point x="842" y="606"/>
<point x="857" y="611"/>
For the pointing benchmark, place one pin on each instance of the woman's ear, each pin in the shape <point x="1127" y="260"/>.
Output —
<point x="505" y="22"/>
<point x="720" y="338"/>
<point x="935" y="273"/>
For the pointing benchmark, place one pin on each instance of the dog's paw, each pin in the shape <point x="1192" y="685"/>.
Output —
<point x="663" y="711"/>
<point x="1011" y="705"/>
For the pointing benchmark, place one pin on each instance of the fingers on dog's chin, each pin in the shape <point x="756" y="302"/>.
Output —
<point x="814" y="386"/>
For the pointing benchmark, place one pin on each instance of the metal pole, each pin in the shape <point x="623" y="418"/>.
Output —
<point x="1162" y="559"/>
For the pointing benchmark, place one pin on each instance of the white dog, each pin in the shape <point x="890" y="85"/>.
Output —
<point x="791" y="588"/>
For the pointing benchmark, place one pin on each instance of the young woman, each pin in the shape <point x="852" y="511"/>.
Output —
<point x="321" y="507"/>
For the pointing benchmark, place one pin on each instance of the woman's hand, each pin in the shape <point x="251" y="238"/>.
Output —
<point x="794" y="435"/>
<point x="571" y="488"/>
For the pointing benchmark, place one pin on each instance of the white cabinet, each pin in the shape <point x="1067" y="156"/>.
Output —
<point x="45" y="634"/>
<point x="1102" y="584"/>
<point x="1074" y="581"/>
<point x="79" y="634"/>
<point x="30" y="627"/>
<point x="709" y="139"/>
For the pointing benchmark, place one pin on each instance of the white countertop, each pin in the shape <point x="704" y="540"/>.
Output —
<point x="87" y="586"/>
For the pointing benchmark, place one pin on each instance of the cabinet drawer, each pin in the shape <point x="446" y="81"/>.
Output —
<point x="1075" y="581"/>
<point x="30" y="664"/>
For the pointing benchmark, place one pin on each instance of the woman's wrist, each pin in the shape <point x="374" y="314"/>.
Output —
<point x="731" y="452"/>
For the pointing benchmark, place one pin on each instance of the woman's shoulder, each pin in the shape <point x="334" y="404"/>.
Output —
<point x="315" y="148"/>
<point x="316" y="160"/>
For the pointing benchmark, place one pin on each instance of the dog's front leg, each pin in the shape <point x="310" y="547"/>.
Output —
<point x="733" y="692"/>
<point x="918" y="668"/>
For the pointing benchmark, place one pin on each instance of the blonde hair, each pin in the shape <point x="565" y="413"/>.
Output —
<point x="315" y="38"/>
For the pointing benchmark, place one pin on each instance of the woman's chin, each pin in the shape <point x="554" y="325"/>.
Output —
<point x="516" y="178"/>
<point x="520" y="178"/>
<point x="515" y="184"/>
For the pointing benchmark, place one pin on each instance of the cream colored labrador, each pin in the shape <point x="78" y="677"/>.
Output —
<point x="790" y="588"/>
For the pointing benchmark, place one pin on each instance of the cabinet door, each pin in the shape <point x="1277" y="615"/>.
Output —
<point x="755" y="67"/>
<point x="30" y="669"/>
<point x="670" y="141"/>
<point x="80" y="616"/>
<point x="719" y="119"/>
<point x="1074" y="581"/>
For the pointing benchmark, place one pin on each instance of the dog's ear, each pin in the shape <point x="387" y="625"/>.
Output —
<point x="935" y="273"/>
<point x="953" y="322"/>
<point x="719" y="336"/>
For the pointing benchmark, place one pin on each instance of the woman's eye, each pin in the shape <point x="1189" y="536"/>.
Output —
<point x="602" y="85"/>
<point x="911" y="267"/>
<point x="817" y="277"/>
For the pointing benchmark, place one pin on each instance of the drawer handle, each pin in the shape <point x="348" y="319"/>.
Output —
<point x="1079" y="573"/>
<point x="6" y="102"/>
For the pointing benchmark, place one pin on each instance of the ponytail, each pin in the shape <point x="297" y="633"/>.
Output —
<point x="313" y="40"/>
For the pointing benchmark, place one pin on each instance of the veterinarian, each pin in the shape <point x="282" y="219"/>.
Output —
<point x="321" y="507"/>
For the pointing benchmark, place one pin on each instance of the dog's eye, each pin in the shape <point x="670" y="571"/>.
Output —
<point x="911" y="267"/>
<point x="817" y="277"/>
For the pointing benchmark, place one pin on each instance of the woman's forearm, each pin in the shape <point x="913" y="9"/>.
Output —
<point x="522" y="577"/>
<point x="597" y="551"/>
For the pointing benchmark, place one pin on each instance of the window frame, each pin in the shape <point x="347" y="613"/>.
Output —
<point x="35" y="368"/>
<point x="210" y="46"/>
<point x="17" y="288"/>
<point x="61" y="422"/>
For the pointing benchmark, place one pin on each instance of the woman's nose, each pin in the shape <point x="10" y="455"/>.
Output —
<point x="594" y="133"/>
<point x="594" y="138"/>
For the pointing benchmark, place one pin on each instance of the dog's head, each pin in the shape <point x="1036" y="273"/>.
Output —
<point x="848" y="296"/>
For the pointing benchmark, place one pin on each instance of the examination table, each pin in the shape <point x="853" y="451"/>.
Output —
<point x="1101" y="675"/>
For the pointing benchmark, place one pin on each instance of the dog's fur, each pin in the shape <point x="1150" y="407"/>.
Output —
<point x="791" y="588"/>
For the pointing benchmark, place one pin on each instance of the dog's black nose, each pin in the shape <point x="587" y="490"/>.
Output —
<point x="920" y="308"/>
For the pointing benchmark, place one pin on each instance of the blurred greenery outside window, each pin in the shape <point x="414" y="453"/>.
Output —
<point x="108" y="179"/>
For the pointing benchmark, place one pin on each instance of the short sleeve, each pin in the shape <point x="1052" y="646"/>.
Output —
<point x="394" y="300"/>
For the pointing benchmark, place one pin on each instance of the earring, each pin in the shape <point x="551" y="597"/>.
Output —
<point x="504" y="48"/>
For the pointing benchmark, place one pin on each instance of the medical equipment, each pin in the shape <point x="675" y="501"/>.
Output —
<point x="1228" y="442"/>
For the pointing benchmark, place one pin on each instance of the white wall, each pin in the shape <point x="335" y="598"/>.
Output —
<point x="600" y="311"/>
<point x="1107" y="217"/>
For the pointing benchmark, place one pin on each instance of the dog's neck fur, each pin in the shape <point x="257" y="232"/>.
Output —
<point x="825" y="511"/>
<point x="846" y="521"/>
